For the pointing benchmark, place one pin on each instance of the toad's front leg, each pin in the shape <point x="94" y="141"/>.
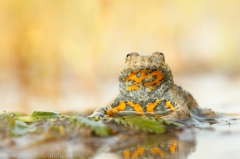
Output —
<point x="99" y="113"/>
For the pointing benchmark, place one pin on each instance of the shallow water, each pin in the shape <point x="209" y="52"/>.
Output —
<point x="202" y="140"/>
<point x="216" y="141"/>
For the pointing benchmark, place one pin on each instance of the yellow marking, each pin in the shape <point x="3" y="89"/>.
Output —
<point x="151" y="106"/>
<point x="157" y="151"/>
<point x="110" y="112"/>
<point x="126" y="154"/>
<point x="138" y="152"/>
<point x="170" y="106"/>
<point x="156" y="81"/>
<point x="144" y="74"/>
<point x="136" y="107"/>
<point x="133" y="76"/>
<point x="173" y="146"/>
<point x="132" y="87"/>
<point x="120" y="107"/>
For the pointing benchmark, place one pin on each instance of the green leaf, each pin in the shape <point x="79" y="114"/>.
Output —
<point x="20" y="128"/>
<point x="98" y="127"/>
<point x="142" y="123"/>
<point x="10" y="118"/>
<point x="15" y="127"/>
<point x="46" y="115"/>
<point x="25" y="118"/>
<point x="39" y="115"/>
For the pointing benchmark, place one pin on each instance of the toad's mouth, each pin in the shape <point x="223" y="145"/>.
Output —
<point x="143" y="78"/>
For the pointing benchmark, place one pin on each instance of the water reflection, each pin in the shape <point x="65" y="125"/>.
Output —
<point x="164" y="146"/>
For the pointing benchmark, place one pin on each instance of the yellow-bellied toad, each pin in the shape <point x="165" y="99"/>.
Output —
<point x="146" y="87"/>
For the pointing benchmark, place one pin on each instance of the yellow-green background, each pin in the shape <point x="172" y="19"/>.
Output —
<point x="66" y="54"/>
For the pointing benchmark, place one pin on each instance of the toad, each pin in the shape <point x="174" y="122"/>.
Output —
<point x="146" y="87"/>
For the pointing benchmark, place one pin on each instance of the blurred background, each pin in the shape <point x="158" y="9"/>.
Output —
<point x="66" y="55"/>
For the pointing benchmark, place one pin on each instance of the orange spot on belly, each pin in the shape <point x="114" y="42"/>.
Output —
<point x="133" y="76"/>
<point x="132" y="87"/>
<point x="137" y="80"/>
<point x="170" y="106"/>
<point x="157" y="151"/>
<point x="136" y="107"/>
<point x="143" y="74"/>
<point x="120" y="107"/>
<point x="151" y="106"/>
<point x="156" y="81"/>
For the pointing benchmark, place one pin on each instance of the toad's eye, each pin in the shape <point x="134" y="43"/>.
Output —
<point x="159" y="55"/>
<point x="131" y="55"/>
<point x="128" y="55"/>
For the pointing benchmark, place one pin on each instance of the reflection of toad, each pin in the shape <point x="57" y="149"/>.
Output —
<point x="146" y="87"/>
<point x="164" y="146"/>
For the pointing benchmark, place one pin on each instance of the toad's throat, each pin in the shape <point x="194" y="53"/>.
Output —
<point x="146" y="78"/>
